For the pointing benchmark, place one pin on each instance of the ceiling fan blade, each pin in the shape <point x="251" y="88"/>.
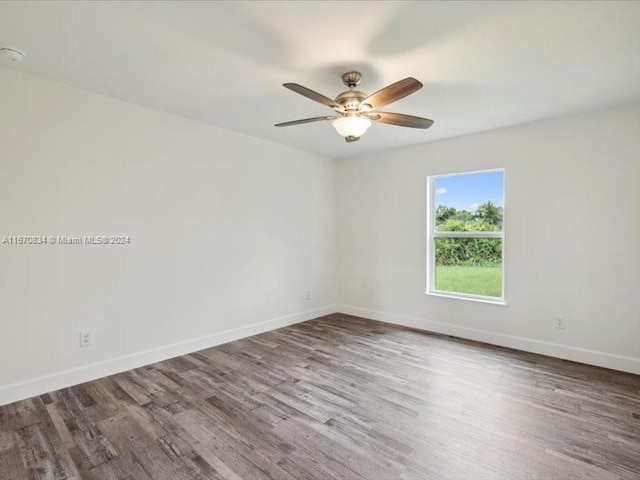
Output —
<point x="315" y="96"/>
<point x="393" y="92"/>
<point x="351" y="138"/>
<point x="304" y="120"/>
<point x="401" y="120"/>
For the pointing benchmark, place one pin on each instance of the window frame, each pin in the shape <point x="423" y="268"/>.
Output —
<point x="432" y="235"/>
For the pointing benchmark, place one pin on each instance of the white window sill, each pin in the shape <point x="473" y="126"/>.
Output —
<point x="471" y="298"/>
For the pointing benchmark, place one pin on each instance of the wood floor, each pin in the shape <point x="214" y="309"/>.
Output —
<point x="336" y="397"/>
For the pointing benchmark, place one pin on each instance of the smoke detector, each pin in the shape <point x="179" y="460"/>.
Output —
<point x="12" y="54"/>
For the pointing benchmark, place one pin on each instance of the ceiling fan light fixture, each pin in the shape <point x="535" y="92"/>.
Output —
<point x="351" y="125"/>
<point x="354" y="111"/>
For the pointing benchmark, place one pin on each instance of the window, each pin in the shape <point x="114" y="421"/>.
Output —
<point x="465" y="235"/>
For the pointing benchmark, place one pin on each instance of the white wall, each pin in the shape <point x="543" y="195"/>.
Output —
<point x="227" y="230"/>
<point x="572" y="236"/>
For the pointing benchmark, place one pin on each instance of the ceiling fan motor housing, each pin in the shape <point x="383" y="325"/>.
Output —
<point x="350" y="100"/>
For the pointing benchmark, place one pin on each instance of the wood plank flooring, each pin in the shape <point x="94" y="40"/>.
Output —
<point x="336" y="397"/>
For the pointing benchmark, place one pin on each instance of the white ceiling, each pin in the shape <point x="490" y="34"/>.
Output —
<point x="484" y="64"/>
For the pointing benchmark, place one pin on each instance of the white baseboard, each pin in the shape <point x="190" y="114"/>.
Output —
<point x="37" y="386"/>
<point x="48" y="383"/>
<point x="582" y="355"/>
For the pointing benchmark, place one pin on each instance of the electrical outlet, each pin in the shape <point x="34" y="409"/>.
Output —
<point x="85" y="339"/>
<point x="308" y="297"/>
<point x="561" y="323"/>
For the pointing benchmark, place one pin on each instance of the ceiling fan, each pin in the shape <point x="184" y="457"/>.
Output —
<point x="355" y="110"/>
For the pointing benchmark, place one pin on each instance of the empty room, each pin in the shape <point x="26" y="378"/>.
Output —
<point x="313" y="240"/>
